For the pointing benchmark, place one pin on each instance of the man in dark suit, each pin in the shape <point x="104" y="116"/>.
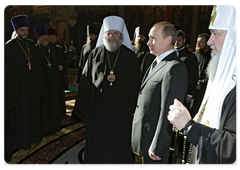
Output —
<point x="166" y="79"/>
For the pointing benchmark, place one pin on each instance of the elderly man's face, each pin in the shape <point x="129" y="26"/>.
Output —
<point x="43" y="39"/>
<point x="216" y="40"/>
<point x="113" y="36"/>
<point x="112" y="40"/>
<point x="216" y="43"/>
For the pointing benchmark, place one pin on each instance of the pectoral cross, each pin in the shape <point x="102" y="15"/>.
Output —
<point x="49" y="64"/>
<point x="29" y="65"/>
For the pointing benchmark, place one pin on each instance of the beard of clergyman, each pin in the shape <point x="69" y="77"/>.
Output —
<point x="22" y="38"/>
<point x="112" y="46"/>
<point x="140" y="43"/>
<point x="201" y="50"/>
<point x="91" y="43"/>
<point x="44" y="43"/>
<point x="213" y="64"/>
<point x="197" y="49"/>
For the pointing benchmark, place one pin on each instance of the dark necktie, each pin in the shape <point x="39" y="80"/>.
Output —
<point x="152" y="67"/>
<point x="154" y="64"/>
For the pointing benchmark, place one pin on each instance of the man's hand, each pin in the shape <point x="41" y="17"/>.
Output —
<point x="60" y="67"/>
<point x="178" y="115"/>
<point x="153" y="156"/>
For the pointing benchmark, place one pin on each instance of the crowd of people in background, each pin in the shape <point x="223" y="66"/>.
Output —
<point x="121" y="89"/>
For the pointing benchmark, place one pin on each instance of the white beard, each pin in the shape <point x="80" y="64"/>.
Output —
<point x="112" y="47"/>
<point x="212" y="65"/>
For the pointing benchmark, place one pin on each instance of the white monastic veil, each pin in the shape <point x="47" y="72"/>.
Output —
<point x="114" y="23"/>
<point x="225" y="78"/>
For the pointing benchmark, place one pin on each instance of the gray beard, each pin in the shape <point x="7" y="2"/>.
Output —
<point x="212" y="66"/>
<point x="112" y="47"/>
<point x="44" y="44"/>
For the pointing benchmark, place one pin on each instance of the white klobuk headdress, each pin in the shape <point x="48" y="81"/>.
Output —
<point x="222" y="18"/>
<point x="114" y="23"/>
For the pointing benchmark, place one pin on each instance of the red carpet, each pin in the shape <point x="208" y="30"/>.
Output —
<point x="55" y="149"/>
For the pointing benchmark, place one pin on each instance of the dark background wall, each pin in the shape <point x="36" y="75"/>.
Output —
<point x="71" y="21"/>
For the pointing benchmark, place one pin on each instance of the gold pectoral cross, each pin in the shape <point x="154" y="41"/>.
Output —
<point x="29" y="65"/>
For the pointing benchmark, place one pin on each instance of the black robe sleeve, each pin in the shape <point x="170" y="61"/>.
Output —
<point x="217" y="145"/>
<point x="192" y="66"/>
<point x="84" y="91"/>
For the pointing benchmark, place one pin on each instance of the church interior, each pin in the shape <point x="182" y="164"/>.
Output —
<point x="67" y="145"/>
<point x="71" y="22"/>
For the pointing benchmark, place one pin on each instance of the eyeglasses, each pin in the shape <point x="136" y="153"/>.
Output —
<point x="113" y="33"/>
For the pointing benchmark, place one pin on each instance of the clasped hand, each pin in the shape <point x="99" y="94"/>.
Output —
<point x="178" y="115"/>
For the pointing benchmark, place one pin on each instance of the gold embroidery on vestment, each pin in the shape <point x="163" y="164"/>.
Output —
<point x="213" y="16"/>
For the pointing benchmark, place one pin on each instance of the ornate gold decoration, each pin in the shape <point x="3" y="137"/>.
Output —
<point x="111" y="77"/>
<point x="213" y="16"/>
<point x="27" y="55"/>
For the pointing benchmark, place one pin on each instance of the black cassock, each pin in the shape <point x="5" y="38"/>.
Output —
<point x="108" y="108"/>
<point x="51" y="115"/>
<point x="23" y="87"/>
<point x="191" y="62"/>
<point x="140" y="52"/>
<point x="216" y="146"/>
<point x="62" y="60"/>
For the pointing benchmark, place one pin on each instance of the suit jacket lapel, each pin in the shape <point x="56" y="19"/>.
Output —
<point x="154" y="71"/>
<point x="160" y="65"/>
